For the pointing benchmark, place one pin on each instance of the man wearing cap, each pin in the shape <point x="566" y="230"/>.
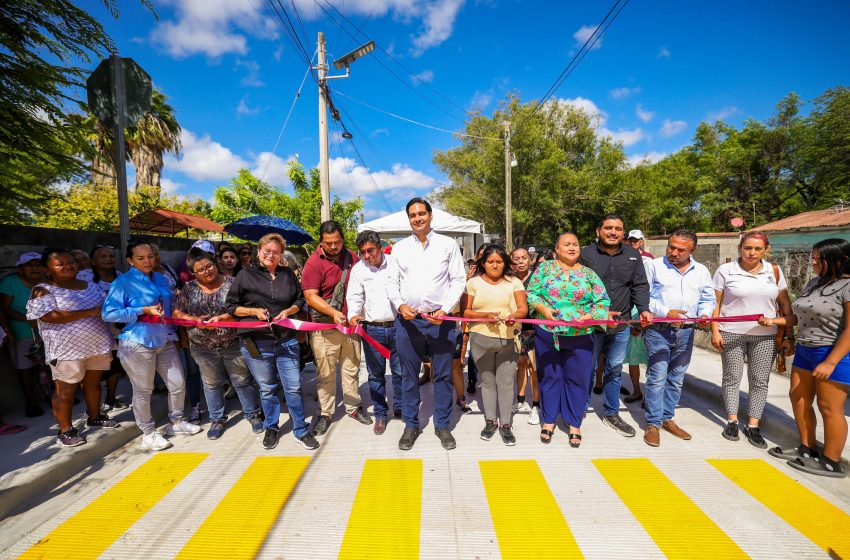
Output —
<point x="636" y="239"/>
<point x="15" y="291"/>
<point x="621" y="269"/>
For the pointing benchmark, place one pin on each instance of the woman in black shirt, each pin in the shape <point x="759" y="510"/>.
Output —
<point x="268" y="291"/>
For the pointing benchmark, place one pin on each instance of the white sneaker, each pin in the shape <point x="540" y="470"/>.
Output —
<point x="154" y="441"/>
<point x="182" y="428"/>
<point x="522" y="408"/>
<point x="534" y="416"/>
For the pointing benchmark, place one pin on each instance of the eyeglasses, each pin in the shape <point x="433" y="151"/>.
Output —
<point x="270" y="253"/>
<point x="371" y="251"/>
<point x="207" y="269"/>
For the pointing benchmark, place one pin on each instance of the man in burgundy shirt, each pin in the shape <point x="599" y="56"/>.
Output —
<point x="325" y="294"/>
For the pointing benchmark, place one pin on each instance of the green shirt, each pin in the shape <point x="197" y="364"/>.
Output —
<point x="571" y="293"/>
<point x="12" y="285"/>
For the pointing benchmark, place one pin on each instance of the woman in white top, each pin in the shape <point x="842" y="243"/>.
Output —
<point x="495" y="293"/>
<point x="748" y="286"/>
<point x="77" y="343"/>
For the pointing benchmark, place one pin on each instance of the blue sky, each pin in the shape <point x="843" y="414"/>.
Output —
<point x="231" y="74"/>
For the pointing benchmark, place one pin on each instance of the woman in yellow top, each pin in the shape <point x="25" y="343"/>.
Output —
<point x="495" y="293"/>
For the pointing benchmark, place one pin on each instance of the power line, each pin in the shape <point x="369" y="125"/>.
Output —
<point x="285" y="23"/>
<point x="286" y="121"/>
<point x="394" y="59"/>
<point x="577" y="58"/>
<point x="432" y="127"/>
<point x="390" y="70"/>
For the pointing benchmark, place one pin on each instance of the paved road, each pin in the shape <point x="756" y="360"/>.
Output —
<point x="360" y="497"/>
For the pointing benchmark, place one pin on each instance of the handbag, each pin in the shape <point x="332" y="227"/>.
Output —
<point x="780" y="330"/>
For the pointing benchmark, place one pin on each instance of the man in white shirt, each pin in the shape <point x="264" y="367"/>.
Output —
<point x="678" y="287"/>
<point x="369" y="306"/>
<point x="426" y="280"/>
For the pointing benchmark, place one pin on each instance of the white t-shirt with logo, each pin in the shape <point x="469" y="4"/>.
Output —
<point x="745" y="293"/>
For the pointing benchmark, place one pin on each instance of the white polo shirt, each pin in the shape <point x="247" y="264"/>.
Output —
<point x="745" y="293"/>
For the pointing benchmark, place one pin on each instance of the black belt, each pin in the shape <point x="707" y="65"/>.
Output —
<point x="384" y="324"/>
<point x="657" y="326"/>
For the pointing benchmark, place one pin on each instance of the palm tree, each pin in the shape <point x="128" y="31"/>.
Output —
<point x="96" y="147"/>
<point x="156" y="133"/>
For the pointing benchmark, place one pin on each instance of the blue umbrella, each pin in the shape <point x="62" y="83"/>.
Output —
<point x="254" y="227"/>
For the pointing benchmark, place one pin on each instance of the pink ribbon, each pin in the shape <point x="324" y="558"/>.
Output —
<point x="294" y="324"/>
<point x="608" y="322"/>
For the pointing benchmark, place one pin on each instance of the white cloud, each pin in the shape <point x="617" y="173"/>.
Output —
<point x="599" y="118"/>
<point x="672" y="128"/>
<point x="272" y="168"/>
<point x="170" y="186"/>
<point x="647" y="157"/>
<point x="664" y="52"/>
<point x="643" y="114"/>
<point x="623" y="92"/>
<point x="721" y="114"/>
<point x="252" y="73"/>
<point x="583" y="34"/>
<point x="480" y="100"/>
<point x="211" y="27"/>
<point x="205" y="159"/>
<point x="426" y="76"/>
<point x="627" y="137"/>
<point x="374" y="213"/>
<point x="244" y="109"/>
<point x="352" y="180"/>
<point x="378" y="132"/>
<point x="439" y="23"/>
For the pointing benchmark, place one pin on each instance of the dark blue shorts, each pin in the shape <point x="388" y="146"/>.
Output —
<point x="808" y="357"/>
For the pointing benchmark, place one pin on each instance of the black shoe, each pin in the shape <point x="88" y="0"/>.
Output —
<point x="397" y="413"/>
<point x="730" y="432"/>
<point x="217" y="428"/>
<point x="102" y="421"/>
<point x="754" y="437"/>
<point x="619" y="425"/>
<point x="256" y="421"/>
<point x="464" y="408"/>
<point x="322" y="425"/>
<point x="360" y="415"/>
<point x="308" y="441"/>
<point x="490" y="428"/>
<point x="624" y="391"/>
<point x="270" y="439"/>
<point x="380" y="426"/>
<point x="507" y="435"/>
<point x="447" y="440"/>
<point x="597" y="390"/>
<point x="408" y="438"/>
<point x="470" y="389"/>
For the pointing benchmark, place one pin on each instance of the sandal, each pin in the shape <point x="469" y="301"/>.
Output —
<point x="545" y="432"/>
<point x="8" y="429"/>
<point x="575" y="440"/>
<point x="817" y="467"/>
<point x="792" y="453"/>
<point x="633" y="398"/>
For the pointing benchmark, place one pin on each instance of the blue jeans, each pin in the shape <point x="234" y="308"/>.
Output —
<point x="216" y="365"/>
<point x="614" y="345"/>
<point x="279" y="363"/>
<point x="669" y="352"/>
<point x="416" y="339"/>
<point x="377" y="367"/>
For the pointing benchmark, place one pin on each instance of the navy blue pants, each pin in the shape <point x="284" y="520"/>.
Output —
<point x="415" y="340"/>
<point x="565" y="375"/>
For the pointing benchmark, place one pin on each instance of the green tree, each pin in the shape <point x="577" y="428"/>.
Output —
<point x="91" y="207"/>
<point x="827" y="154"/>
<point x="41" y="43"/>
<point x="246" y="195"/>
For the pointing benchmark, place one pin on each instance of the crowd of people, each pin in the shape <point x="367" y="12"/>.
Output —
<point x="564" y="326"/>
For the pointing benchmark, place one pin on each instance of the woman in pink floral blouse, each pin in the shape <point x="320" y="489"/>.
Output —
<point x="562" y="289"/>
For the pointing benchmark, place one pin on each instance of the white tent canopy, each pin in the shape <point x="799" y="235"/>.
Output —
<point x="397" y="225"/>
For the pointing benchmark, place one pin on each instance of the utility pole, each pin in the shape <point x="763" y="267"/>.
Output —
<point x="118" y="85"/>
<point x="322" y="71"/>
<point x="324" y="164"/>
<point x="509" y="229"/>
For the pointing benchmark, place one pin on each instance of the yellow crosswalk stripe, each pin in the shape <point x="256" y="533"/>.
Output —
<point x="547" y="535"/>
<point x="91" y="531"/>
<point x="390" y="492"/>
<point x="675" y="523"/>
<point x="820" y="521"/>
<point x="248" y="510"/>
